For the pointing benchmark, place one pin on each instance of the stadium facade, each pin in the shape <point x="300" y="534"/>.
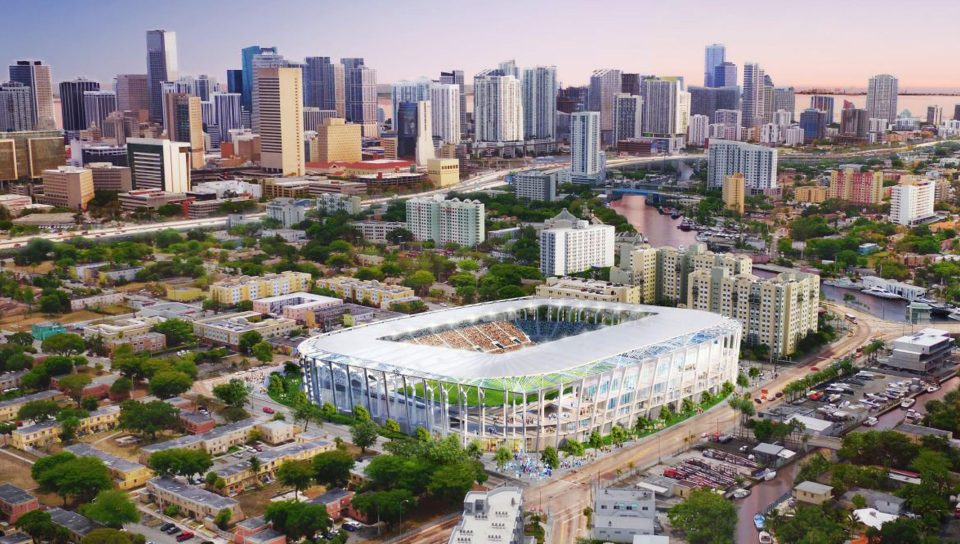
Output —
<point x="525" y="373"/>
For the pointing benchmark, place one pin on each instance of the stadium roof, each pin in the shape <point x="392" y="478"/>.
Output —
<point x="658" y="330"/>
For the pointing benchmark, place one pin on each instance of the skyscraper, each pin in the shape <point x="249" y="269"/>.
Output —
<point x="280" y="97"/>
<point x="587" y="162"/>
<point x="36" y="75"/>
<point x="360" y="95"/>
<point x="784" y="99"/>
<point x="184" y="122"/>
<point x="409" y="91"/>
<point x="161" y="66"/>
<point x="425" y="150"/>
<point x="707" y="100"/>
<point x="660" y="107"/>
<point x="203" y="86"/>
<point x="72" y="103"/>
<point x="16" y="107"/>
<point x="235" y="81"/>
<point x="814" y="124"/>
<point x="714" y="56"/>
<point x="133" y="92"/>
<point x="540" y="103"/>
<point x="855" y="123"/>
<point x="630" y="83"/>
<point x="604" y="84"/>
<point x="825" y="103"/>
<point x="323" y="84"/>
<point x="758" y="164"/>
<point x="97" y="105"/>
<point x="627" y="117"/>
<point x="246" y="59"/>
<point x="882" y="97"/>
<point x="455" y="77"/>
<point x="725" y="75"/>
<point x="266" y="59"/>
<point x="509" y="68"/>
<point x="934" y="115"/>
<point x="406" y="129"/>
<point x="753" y="83"/>
<point x="498" y="107"/>
<point x="445" y="106"/>
<point x="227" y="111"/>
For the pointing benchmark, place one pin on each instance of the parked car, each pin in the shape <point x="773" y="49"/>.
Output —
<point x="871" y="421"/>
<point x="184" y="536"/>
<point x="166" y="527"/>
<point x="267" y="410"/>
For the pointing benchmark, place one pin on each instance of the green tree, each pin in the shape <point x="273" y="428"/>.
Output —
<point x="332" y="468"/>
<point x="392" y="426"/>
<point x="38" y="410"/>
<point x="248" y="340"/>
<point x="295" y="474"/>
<point x="263" y="351"/>
<point x="420" y="281"/>
<point x="364" y="434"/>
<point x="811" y="524"/>
<point x="64" y="344"/>
<point x="297" y="520"/>
<point x="705" y="518"/>
<point x="573" y="447"/>
<point x="89" y="403"/>
<point x="550" y="457"/>
<point x="177" y="331"/>
<point x="502" y="456"/>
<point x="21" y="338"/>
<point x="233" y="393"/>
<point x="223" y="518"/>
<point x="111" y="536"/>
<point x="121" y="388"/>
<point x="180" y="461"/>
<point x="387" y="506"/>
<point x="595" y="440"/>
<point x="80" y="477"/>
<point x="148" y="418"/>
<point x="169" y="383"/>
<point x="74" y="384"/>
<point x="38" y="524"/>
<point x="112" y="508"/>
<point x="451" y="482"/>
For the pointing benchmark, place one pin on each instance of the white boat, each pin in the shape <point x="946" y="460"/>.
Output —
<point x="954" y="314"/>
<point x="843" y="283"/>
<point x="769" y="474"/>
<point x="871" y="421"/>
<point x="906" y="403"/>
<point x="933" y="388"/>
<point x="759" y="521"/>
<point x="881" y="293"/>
<point x="765" y="538"/>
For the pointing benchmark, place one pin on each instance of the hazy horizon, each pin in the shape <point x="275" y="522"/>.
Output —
<point x="842" y="50"/>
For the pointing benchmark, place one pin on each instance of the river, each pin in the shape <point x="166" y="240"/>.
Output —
<point x="762" y="496"/>
<point x="660" y="230"/>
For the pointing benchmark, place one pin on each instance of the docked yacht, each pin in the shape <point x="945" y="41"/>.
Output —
<point x="880" y="292"/>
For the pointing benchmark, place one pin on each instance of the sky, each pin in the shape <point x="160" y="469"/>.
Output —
<point x="803" y="43"/>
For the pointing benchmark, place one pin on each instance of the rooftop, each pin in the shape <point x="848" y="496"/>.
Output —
<point x="72" y="521"/>
<point x="12" y="494"/>
<point x="112" y="461"/>
<point x="654" y="331"/>
<point x="813" y="487"/>
<point x="192" y="493"/>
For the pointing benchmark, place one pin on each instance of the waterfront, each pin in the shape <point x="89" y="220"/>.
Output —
<point x="659" y="229"/>
<point x="917" y="104"/>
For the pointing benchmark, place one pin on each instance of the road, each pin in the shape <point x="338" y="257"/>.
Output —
<point x="564" y="498"/>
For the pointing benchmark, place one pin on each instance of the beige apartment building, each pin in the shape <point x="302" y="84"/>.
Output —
<point x="443" y="172"/>
<point x="337" y="141"/>
<point x="227" y="329"/>
<point x="193" y="501"/>
<point x="184" y="123"/>
<point x="734" y="187"/>
<point x="365" y="291"/>
<point x="811" y="194"/>
<point x="584" y="289"/>
<point x="852" y="185"/>
<point x="68" y="187"/>
<point x="280" y="95"/>
<point x="241" y="288"/>
<point x="777" y="312"/>
<point x="107" y="177"/>
<point x="238" y="476"/>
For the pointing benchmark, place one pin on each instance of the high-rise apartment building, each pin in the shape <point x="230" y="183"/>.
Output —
<point x="587" y="160"/>
<point x="825" y="103"/>
<point x="714" y="57"/>
<point x="443" y="221"/>
<point x="36" y="75"/>
<point x="604" y="85"/>
<point x="814" y="124"/>
<point x="16" y="107"/>
<point x="777" y="312"/>
<point x="133" y="92"/>
<point x="68" y="187"/>
<point x="405" y="122"/>
<point x="498" y="107"/>
<point x="855" y="123"/>
<point x="627" y="117"/>
<point x="725" y="75"/>
<point x="246" y="58"/>
<point x="161" y="66"/>
<point x="728" y="124"/>
<point x="159" y="164"/>
<point x="934" y="115"/>
<point x="912" y="200"/>
<point x="758" y="164"/>
<point x="455" y="77"/>
<point x="227" y="110"/>
<point x="698" y="130"/>
<point x="753" y="94"/>
<point x="97" y="105"/>
<point x="361" y="95"/>
<point x="784" y="98"/>
<point x="445" y="105"/>
<point x="707" y="100"/>
<point x="337" y="141"/>
<point x="409" y="91"/>
<point x="734" y="193"/>
<point x="280" y="99"/>
<point x="852" y="185"/>
<point x="72" y="104"/>
<point x="882" y="97"/>
<point x="184" y="122"/>
<point x="569" y="245"/>
<point x="540" y="103"/>
<point x="664" y="112"/>
<point x="537" y="185"/>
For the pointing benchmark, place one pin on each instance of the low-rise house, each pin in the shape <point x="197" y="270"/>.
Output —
<point x="184" y="293"/>
<point x="118" y="275"/>
<point x="882" y="502"/>
<point x="36" y="436"/>
<point x="193" y="501"/>
<point x="214" y="442"/>
<point x="226" y="329"/>
<point x="256" y="531"/>
<point x="78" y="526"/>
<point x="338" y="503"/>
<point x="16" y="538"/>
<point x="102" y="419"/>
<point x="277" y="432"/>
<point x="126" y="474"/>
<point x="812" y="492"/>
<point x="238" y="476"/>
<point x="618" y="514"/>
<point x="98" y="387"/>
<point x="196" y="422"/>
<point x="15" y="502"/>
<point x="369" y="292"/>
<point x="9" y="408"/>
<point x="150" y="342"/>
<point x="297" y="306"/>
<point x="11" y="380"/>
<point x="96" y="301"/>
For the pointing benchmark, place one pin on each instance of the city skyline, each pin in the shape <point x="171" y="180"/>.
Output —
<point x="423" y="39"/>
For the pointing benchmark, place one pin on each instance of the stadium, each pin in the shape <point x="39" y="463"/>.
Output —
<point x="526" y="373"/>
